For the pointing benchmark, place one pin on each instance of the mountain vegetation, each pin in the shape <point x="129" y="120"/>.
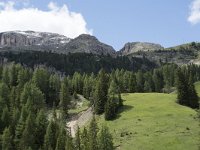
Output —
<point x="148" y="93"/>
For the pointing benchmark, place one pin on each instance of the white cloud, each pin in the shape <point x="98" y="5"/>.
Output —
<point x="56" y="19"/>
<point x="194" y="16"/>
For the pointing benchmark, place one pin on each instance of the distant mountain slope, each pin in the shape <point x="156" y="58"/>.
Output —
<point x="181" y="54"/>
<point x="134" y="47"/>
<point x="43" y="41"/>
<point x="31" y="40"/>
<point x="23" y="41"/>
<point x="89" y="44"/>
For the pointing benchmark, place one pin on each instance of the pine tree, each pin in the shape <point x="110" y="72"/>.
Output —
<point x="100" y="94"/>
<point x="110" y="109"/>
<point x="28" y="135"/>
<point x="5" y="75"/>
<point x="4" y="94"/>
<point x="5" y="118"/>
<point x="69" y="144"/>
<point x="105" y="139"/>
<point x="60" y="145"/>
<point x="132" y="83"/>
<point x="77" y="140"/>
<point x="54" y="89"/>
<point x="158" y="80"/>
<point x="20" y="127"/>
<point x="93" y="130"/>
<point x="182" y="88"/>
<point x="7" y="140"/>
<point x="50" y="136"/>
<point x="64" y="98"/>
<point x="84" y="140"/>
<point x="41" y="124"/>
<point x="41" y="80"/>
<point x="32" y="97"/>
<point x="14" y="120"/>
<point x="140" y="81"/>
<point x="193" y="97"/>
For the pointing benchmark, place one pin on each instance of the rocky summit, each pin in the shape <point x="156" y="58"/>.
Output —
<point x="130" y="48"/>
<point x="44" y="41"/>
<point x="31" y="40"/>
<point x="89" y="44"/>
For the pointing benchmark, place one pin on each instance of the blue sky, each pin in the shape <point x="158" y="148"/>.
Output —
<point x="116" y="22"/>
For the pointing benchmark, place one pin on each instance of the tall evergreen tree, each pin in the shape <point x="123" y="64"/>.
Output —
<point x="64" y="98"/>
<point x="40" y="126"/>
<point x="93" y="130"/>
<point x="132" y="83"/>
<point x="192" y="94"/>
<point x="60" y="144"/>
<point x="84" y="140"/>
<point x="50" y="136"/>
<point x="182" y="88"/>
<point x="105" y="139"/>
<point x="77" y="140"/>
<point x="140" y="81"/>
<point x="41" y="80"/>
<point x="7" y="143"/>
<point x="28" y="136"/>
<point x="110" y="108"/>
<point x="100" y="94"/>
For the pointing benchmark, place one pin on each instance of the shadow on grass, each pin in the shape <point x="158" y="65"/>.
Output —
<point x="124" y="108"/>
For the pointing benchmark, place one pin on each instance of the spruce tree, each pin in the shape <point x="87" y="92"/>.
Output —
<point x="41" y="80"/>
<point x="193" y="97"/>
<point x="100" y="94"/>
<point x="5" y="118"/>
<point x="54" y="89"/>
<point x="7" y="140"/>
<point x="182" y="88"/>
<point x="60" y="144"/>
<point x="84" y="140"/>
<point x="105" y="139"/>
<point x="93" y="130"/>
<point x="132" y="83"/>
<point x="20" y="127"/>
<point x="69" y="143"/>
<point x="77" y="140"/>
<point x="64" y="98"/>
<point x="28" y="136"/>
<point x="140" y="81"/>
<point x="40" y="126"/>
<point x="50" y="136"/>
<point x="110" y="108"/>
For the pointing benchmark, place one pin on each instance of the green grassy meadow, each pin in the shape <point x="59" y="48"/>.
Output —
<point x="153" y="121"/>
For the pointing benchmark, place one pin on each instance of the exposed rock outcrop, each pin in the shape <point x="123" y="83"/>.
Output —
<point x="130" y="48"/>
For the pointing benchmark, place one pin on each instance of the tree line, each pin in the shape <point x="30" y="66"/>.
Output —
<point x="26" y="94"/>
<point x="77" y="62"/>
<point x="25" y="97"/>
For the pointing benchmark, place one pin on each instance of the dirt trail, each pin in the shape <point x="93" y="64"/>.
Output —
<point x="79" y="120"/>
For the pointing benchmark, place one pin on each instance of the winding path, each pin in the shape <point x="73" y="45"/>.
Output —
<point x="79" y="120"/>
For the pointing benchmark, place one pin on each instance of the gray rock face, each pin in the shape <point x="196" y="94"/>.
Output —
<point x="30" y="40"/>
<point x="44" y="41"/>
<point x="89" y="44"/>
<point x="130" y="48"/>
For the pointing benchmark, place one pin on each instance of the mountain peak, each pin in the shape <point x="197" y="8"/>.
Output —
<point x="134" y="47"/>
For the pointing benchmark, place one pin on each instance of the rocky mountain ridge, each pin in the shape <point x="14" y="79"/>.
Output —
<point x="20" y="41"/>
<point x="44" y="41"/>
<point x="134" y="47"/>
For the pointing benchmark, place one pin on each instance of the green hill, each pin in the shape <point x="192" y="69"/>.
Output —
<point x="152" y="121"/>
<point x="197" y="86"/>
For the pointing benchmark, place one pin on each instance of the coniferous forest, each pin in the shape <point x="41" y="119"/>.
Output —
<point x="26" y="95"/>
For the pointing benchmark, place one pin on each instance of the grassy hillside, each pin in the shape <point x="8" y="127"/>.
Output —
<point x="197" y="86"/>
<point x="153" y="122"/>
